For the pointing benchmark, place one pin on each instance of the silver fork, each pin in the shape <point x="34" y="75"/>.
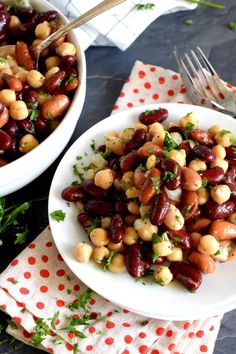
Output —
<point x="203" y="83"/>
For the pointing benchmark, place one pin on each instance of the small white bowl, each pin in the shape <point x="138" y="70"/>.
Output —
<point x="25" y="169"/>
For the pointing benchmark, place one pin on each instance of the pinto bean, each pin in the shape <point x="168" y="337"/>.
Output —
<point x="198" y="225"/>
<point x="213" y="175"/>
<point x="150" y="186"/>
<point x="189" y="204"/>
<point x="160" y="208"/>
<point x="190" y="179"/>
<point x="149" y="149"/>
<point x="12" y="82"/>
<point x="156" y="115"/>
<point x="202" y="136"/>
<point x="137" y="140"/>
<point x="214" y="211"/>
<point x="223" y="230"/>
<point x="55" y="107"/>
<point x="202" y="261"/>
<point x="188" y="275"/>
<point x="203" y="153"/>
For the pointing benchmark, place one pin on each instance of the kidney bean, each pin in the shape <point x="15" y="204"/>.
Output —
<point x="5" y="19"/>
<point x="230" y="175"/>
<point x="134" y="261"/>
<point x="195" y="215"/>
<point x="186" y="146"/>
<point x="160" y="208"/>
<point x="129" y="162"/>
<point x="136" y="141"/>
<point x="23" y="13"/>
<point x="55" y="81"/>
<point x="150" y="186"/>
<point x="172" y="173"/>
<point x="84" y="219"/>
<point x="222" y="230"/>
<point x="5" y="140"/>
<point x="150" y="149"/>
<point x="11" y="127"/>
<point x="199" y="225"/>
<point x="231" y="152"/>
<point x="175" y="129"/>
<point x="73" y="194"/>
<point x="26" y="87"/>
<point x="214" y="211"/>
<point x="2" y="106"/>
<point x="203" y="153"/>
<point x="19" y="95"/>
<point x="3" y="38"/>
<point x="69" y="61"/>
<point x="45" y="16"/>
<point x="70" y="83"/>
<point x="114" y="164"/>
<point x="23" y="56"/>
<point x="101" y="207"/>
<point x="121" y="208"/>
<point x="24" y="31"/>
<point x="70" y="72"/>
<point x="189" y="204"/>
<point x="202" y="261"/>
<point x="2" y="5"/>
<point x="180" y="238"/>
<point x="153" y="116"/>
<point x="202" y="136"/>
<point x="190" y="179"/>
<point x="89" y="187"/>
<point x="189" y="276"/>
<point x="116" y="229"/>
<point x="55" y="106"/>
<point x="13" y="152"/>
<point x="26" y="126"/>
<point x="3" y="162"/>
<point x="213" y="175"/>
<point x="12" y="82"/>
<point x="4" y="117"/>
<point x="42" y="127"/>
<point x="31" y="96"/>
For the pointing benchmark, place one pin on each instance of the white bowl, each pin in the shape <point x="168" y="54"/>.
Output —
<point x="25" y="169"/>
<point x="217" y="294"/>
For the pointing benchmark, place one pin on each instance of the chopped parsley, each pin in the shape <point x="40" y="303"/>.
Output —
<point x="232" y="25"/>
<point x="188" y="22"/>
<point x="58" y="215"/>
<point x="187" y="209"/>
<point x="147" y="6"/>
<point x="50" y="116"/>
<point x="157" y="239"/>
<point x="78" y="173"/>
<point x="81" y="302"/>
<point x="106" y="154"/>
<point x="217" y="253"/>
<point x="21" y="236"/>
<point x="71" y="79"/>
<point x="12" y="324"/>
<point x="41" y="330"/>
<point x="155" y="256"/>
<point x="59" y="341"/>
<point x="224" y="131"/>
<point x="95" y="223"/>
<point x="178" y="218"/>
<point x="189" y="126"/>
<point x="168" y="176"/>
<point x="169" y="143"/>
<point x="177" y="239"/>
<point x="204" y="182"/>
<point x="2" y="61"/>
<point x="155" y="181"/>
<point x="207" y="3"/>
<point x="93" y="146"/>
<point x="144" y="322"/>
<point x="54" y="320"/>
<point x="72" y="326"/>
<point x="160" y="282"/>
<point x="107" y="260"/>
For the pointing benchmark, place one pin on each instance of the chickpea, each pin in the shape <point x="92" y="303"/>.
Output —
<point x="51" y="72"/>
<point x="208" y="245"/>
<point x="177" y="137"/>
<point x="176" y="255"/>
<point x="163" y="275"/>
<point x="226" y="251"/>
<point x="220" y="193"/>
<point x="27" y="143"/>
<point x="139" y="125"/>
<point x="198" y="165"/>
<point x="35" y="79"/>
<point x="18" y="110"/>
<point x="126" y="134"/>
<point x="195" y="238"/>
<point x="20" y="73"/>
<point x="145" y="229"/>
<point x="172" y="124"/>
<point x="179" y="156"/>
<point x="145" y="209"/>
<point x="83" y="252"/>
<point x="232" y="218"/>
<point x="66" y="48"/>
<point x="7" y="96"/>
<point x="99" y="253"/>
<point x="133" y="208"/>
<point x="191" y="143"/>
<point x="116" y="247"/>
<point x="79" y="207"/>
<point x="130" y="236"/>
<point x="219" y="151"/>
<point x="220" y="163"/>
<point x="151" y="162"/>
<point x="115" y="144"/>
<point x="3" y="64"/>
<point x="159" y="138"/>
<point x="202" y="195"/>
<point x="223" y="138"/>
<point x="106" y="221"/>
<point x="52" y="61"/>
<point x="132" y="192"/>
<point x="99" y="237"/>
<point x="98" y="161"/>
<point x="127" y="180"/>
<point x="156" y="128"/>
<point x="14" y="23"/>
<point x="37" y="42"/>
<point x="42" y="30"/>
<point x="214" y="129"/>
<point x="189" y="118"/>
<point x="117" y="264"/>
<point x="174" y="219"/>
<point x="104" y="178"/>
<point x="89" y="174"/>
<point x="164" y="248"/>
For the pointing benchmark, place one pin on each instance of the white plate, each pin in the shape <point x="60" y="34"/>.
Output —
<point x="218" y="291"/>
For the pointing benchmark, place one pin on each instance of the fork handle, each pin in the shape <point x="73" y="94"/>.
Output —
<point x="225" y="111"/>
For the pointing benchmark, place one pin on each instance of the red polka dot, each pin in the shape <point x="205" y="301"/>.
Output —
<point x="212" y="328"/>
<point x="200" y="334"/>
<point x="128" y="339"/>
<point x="130" y="104"/>
<point x="60" y="272"/>
<point x="122" y="94"/>
<point x="182" y="89"/>
<point x="10" y="280"/>
<point x="171" y="346"/>
<point x="143" y="349"/>
<point x="126" y="351"/>
<point x="15" y="262"/>
<point x="191" y="334"/>
<point x="126" y="324"/>
<point x="203" y="348"/>
<point x="202" y="101"/>
<point x="89" y="347"/>
<point x="40" y="305"/>
<point x="24" y="291"/>
<point x="162" y="80"/>
<point x="115" y="107"/>
<point x="142" y="335"/>
<point x="125" y="311"/>
<point x="109" y="313"/>
<point x="44" y="273"/>
<point x="3" y="307"/>
<point x="141" y="74"/>
<point x="176" y="352"/>
<point x="94" y="315"/>
<point x="77" y="287"/>
<point x="27" y="275"/>
<point x="60" y="303"/>
<point x="155" y="351"/>
<point x="50" y="350"/>
<point x="17" y="320"/>
<point x="160" y="331"/>
<point x="152" y="69"/>
<point x="109" y="341"/>
<point x="221" y="95"/>
<point x="49" y="244"/>
<point x="170" y="93"/>
<point x="71" y="335"/>
<point x="45" y="258"/>
<point x="135" y="90"/>
<point x="92" y="302"/>
<point x="187" y="325"/>
<point x="92" y="329"/>
<point x="229" y="85"/>
<point x="31" y="245"/>
<point x="69" y="347"/>
<point x="175" y="77"/>
<point x="20" y="304"/>
<point x="43" y="289"/>
<point x="110" y="324"/>
<point x="59" y="257"/>
<point x="27" y="334"/>
<point x="31" y="260"/>
<point x="61" y="287"/>
<point x="141" y="100"/>
<point x="147" y="85"/>
<point x="155" y="96"/>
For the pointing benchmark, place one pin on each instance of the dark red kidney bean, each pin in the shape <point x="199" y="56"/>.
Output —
<point x="114" y="164"/>
<point x="31" y="96"/>
<point x="116" y="229"/>
<point x="84" y="219"/>
<point x="101" y="207"/>
<point x="3" y="38"/>
<point x="121" y="208"/>
<point x="171" y="180"/>
<point x="175" y="129"/>
<point x="129" y="162"/>
<point x="138" y="139"/>
<point x="69" y="61"/>
<point x="156" y="115"/>
<point x="134" y="261"/>
<point x="5" y="19"/>
<point x="202" y="136"/>
<point x="23" y="32"/>
<point x="2" y="5"/>
<point x="26" y="126"/>
<point x="160" y="208"/>
<point x="232" y="162"/>
<point x="70" y="72"/>
<point x="199" y="225"/>
<point x="2" y="106"/>
<point x="231" y="152"/>
<point x="230" y="175"/>
<point x="180" y="238"/>
<point x="204" y="153"/>
<point x="42" y="127"/>
<point x="19" y="95"/>
<point x="45" y="16"/>
<point x="5" y="140"/>
<point x="189" y="276"/>
<point x="24" y="13"/>
<point x="213" y="210"/>
<point x="89" y="187"/>
<point x="13" y="152"/>
<point x="102" y="148"/>
<point x="55" y="81"/>
<point x="73" y="194"/>
<point x="187" y="147"/>
<point x="26" y="87"/>
<point x="189" y="204"/>
<point x="213" y="175"/>
<point x="150" y="186"/>
<point x="11" y="127"/>
<point x="195" y="215"/>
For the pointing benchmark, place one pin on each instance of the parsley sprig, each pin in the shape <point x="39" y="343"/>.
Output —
<point x="147" y="6"/>
<point x="107" y="260"/>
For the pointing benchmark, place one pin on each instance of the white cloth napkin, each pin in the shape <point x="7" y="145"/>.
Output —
<point x="119" y="26"/>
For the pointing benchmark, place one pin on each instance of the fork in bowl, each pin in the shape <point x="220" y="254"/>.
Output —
<point x="202" y="82"/>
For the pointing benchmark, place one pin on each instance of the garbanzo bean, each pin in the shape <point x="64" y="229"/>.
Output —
<point x="202" y="195"/>
<point x="99" y="237"/>
<point x="174" y="219"/>
<point x="66" y="48"/>
<point x="27" y="143"/>
<point x="52" y="62"/>
<point x="198" y="165"/>
<point x="189" y="118"/>
<point x="220" y="193"/>
<point x="214" y="129"/>
<point x="130" y="236"/>
<point x="35" y="79"/>
<point x="7" y="96"/>
<point x="219" y="151"/>
<point x="176" y="255"/>
<point x="117" y="264"/>
<point x="164" y="248"/>
<point x="145" y="229"/>
<point x="99" y="253"/>
<point x="83" y="252"/>
<point x="208" y="244"/>
<point x="223" y="138"/>
<point x="163" y="275"/>
<point x="220" y="163"/>
<point x="104" y="178"/>
<point x="42" y="30"/>
<point x="18" y="110"/>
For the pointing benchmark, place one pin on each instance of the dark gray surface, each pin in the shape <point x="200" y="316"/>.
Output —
<point x="107" y="69"/>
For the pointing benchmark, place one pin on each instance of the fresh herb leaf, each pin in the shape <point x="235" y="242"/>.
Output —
<point x="71" y="79"/>
<point x="156" y="238"/>
<point x="145" y="216"/>
<point x="168" y="176"/>
<point x="12" y="324"/>
<point x="169" y="143"/>
<point x="54" y="320"/>
<point x="50" y="116"/>
<point x="187" y="209"/>
<point x="78" y="173"/>
<point x="144" y="322"/>
<point x="82" y="301"/>
<point x="204" y="182"/>
<point x="78" y="158"/>
<point x="93" y="146"/>
<point x="76" y="347"/>
<point x="41" y="331"/>
<point x="2" y="61"/>
<point x="232" y="25"/>
<point x="207" y="3"/>
<point x="178" y="219"/>
<point x="106" y="154"/>
<point x="95" y="223"/>
<point x="177" y="239"/>
<point x="58" y="215"/>
<point x="188" y="22"/>
<point x="107" y="260"/>
<point x="4" y="341"/>
<point x="224" y="131"/>
<point x="160" y="282"/>
<point x="189" y="126"/>
<point x="21" y="236"/>
<point x="155" y="256"/>
<point x="147" y="6"/>
<point x="59" y="341"/>
<point x="69" y="291"/>
<point x="217" y="253"/>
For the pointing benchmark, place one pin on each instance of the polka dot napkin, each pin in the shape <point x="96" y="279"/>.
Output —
<point x="52" y="309"/>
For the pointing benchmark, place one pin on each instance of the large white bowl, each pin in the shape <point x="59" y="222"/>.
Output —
<point x="22" y="171"/>
<point x="217" y="293"/>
